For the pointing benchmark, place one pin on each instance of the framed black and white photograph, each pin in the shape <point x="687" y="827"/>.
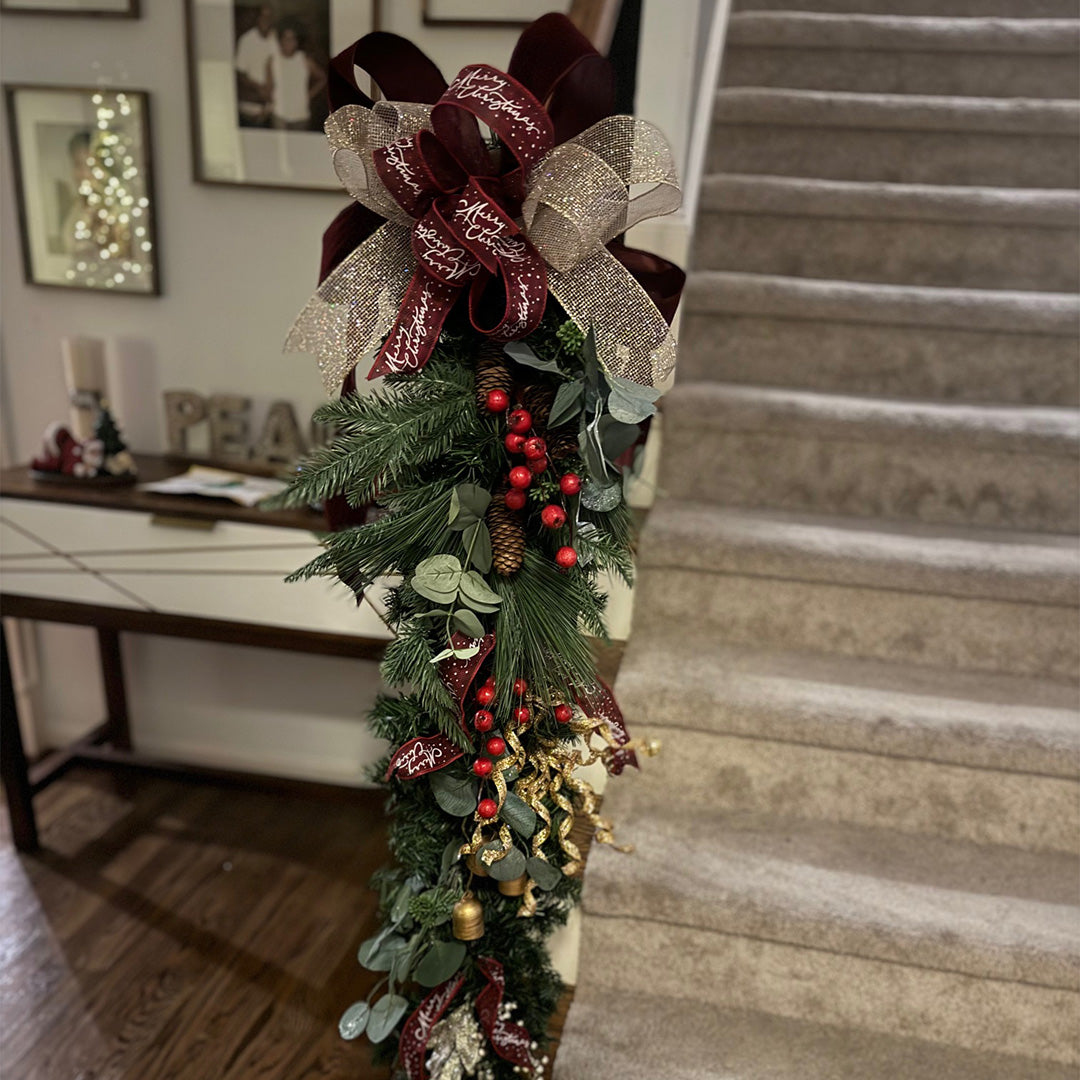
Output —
<point x="83" y="176"/>
<point x="120" y="9"/>
<point x="488" y="12"/>
<point x="258" y="75"/>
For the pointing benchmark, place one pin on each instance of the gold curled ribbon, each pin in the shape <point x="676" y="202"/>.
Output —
<point x="577" y="199"/>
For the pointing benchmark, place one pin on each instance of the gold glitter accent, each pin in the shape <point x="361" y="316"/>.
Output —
<point x="456" y="1046"/>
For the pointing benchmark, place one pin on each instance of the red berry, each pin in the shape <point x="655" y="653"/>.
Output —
<point x="519" y="421"/>
<point x="534" y="447"/>
<point x="490" y="680"/>
<point x="514" y="499"/>
<point x="520" y="477"/>
<point x="485" y="695"/>
<point x="482" y="766"/>
<point x="520" y="687"/>
<point x="483" y="720"/>
<point x="496" y="747"/>
<point x="538" y="465"/>
<point x="566" y="557"/>
<point x="497" y="401"/>
<point x="570" y="484"/>
<point x="564" y="714"/>
<point x="554" y="517"/>
<point x="514" y="442"/>
<point x="487" y="808"/>
<point x="522" y="714"/>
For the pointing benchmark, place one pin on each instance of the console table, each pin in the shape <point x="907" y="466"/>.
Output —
<point x="122" y="561"/>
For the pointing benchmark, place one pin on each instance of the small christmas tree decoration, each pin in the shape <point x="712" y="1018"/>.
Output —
<point x="467" y="918"/>
<point x="520" y="477"/>
<point x="515" y="499"/>
<point x="507" y="538"/>
<point x="482" y="719"/>
<point x="564" y="713"/>
<point x="497" y="401"/>
<point x="570" y="483"/>
<point x="566" y="557"/>
<point x="514" y="442"/>
<point x="487" y="808"/>
<point x="553" y="517"/>
<point x="515" y="886"/>
<point x="520" y="421"/>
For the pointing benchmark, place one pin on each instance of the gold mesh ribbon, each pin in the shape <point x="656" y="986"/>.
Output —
<point x="577" y="199"/>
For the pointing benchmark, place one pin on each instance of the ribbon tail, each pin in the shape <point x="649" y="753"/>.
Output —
<point x="417" y="1030"/>
<point x="633" y="338"/>
<point x="418" y="325"/>
<point x="355" y="306"/>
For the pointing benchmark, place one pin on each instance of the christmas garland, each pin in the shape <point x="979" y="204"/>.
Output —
<point x="491" y="464"/>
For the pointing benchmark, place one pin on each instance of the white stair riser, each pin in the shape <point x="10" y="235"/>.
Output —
<point x="730" y="773"/>
<point x="847" y="991"/>
<point x="972" y="255"/>
<point x="940" y="481"/>
<point x="896" y="156"/>
<point x="879" y="360"/>
<point x="901" y="627"/>
<point x="960" y="74"/>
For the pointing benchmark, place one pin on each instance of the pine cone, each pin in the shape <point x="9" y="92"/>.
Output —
<point x="538" y="400"/>
<point x="492" y="371"/>
<point x="507" y="537"/>
<point x="562" y="442"/>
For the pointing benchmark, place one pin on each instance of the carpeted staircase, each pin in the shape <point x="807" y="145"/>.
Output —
<point x="856" y="627"/>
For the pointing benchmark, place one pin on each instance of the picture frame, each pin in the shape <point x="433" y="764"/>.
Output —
<point x="489" y="13"/>
<point x="256" y="78"/>
<point x="109" y="9"/>
<point x="84" y="183"/>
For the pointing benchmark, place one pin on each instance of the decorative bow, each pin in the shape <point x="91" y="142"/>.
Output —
<point x="536" y="212"/>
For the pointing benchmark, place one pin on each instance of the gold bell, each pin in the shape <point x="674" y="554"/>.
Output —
<point x="468" y="918"/>
<point x="515" y="886"/>
<point x="476" y="865"/>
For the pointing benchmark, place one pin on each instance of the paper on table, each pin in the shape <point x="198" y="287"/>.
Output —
<point x="218" y="484"/>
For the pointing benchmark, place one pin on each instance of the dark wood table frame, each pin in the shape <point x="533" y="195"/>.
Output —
<point x="109" y="745"/>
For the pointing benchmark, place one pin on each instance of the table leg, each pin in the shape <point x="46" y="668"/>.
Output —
<point x="112" y="674"/>
<point x="13" y="767"/>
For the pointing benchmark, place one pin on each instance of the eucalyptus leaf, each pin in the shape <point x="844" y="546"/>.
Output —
<point x="437" y="578"/>
<point x="385" y="1014"/>
<point x="400" y="907"/>
<point x="465" y="653"/>
<point x="591" y="359"/>
<point x="616" y="437"/>
<point x="569" y="401"/>
<point x="510" y="866"/>
<point x="388" y="951"/>
<point x="439" y="963"/>
<point x="451" y="854"/>
<point x="478" y="538"/>
<point x="444" y="655"/>
<point x="543" y="873"/>
<point x="454" y="791"/>
<point x="371" y="946"/>
<point x="519" y="351"/>
<point x="468" y="623"/>
<point x="455" y="507"/>
<point x="467" y="505"/>
<point x="354" y="1019"/>
<point x="475" y="589"/>
<point x="627" y="407"/>
<point x="519" y="815"/>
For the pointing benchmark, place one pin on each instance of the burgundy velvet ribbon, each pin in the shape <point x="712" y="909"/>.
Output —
<point x="459" y="675"/>
<point x="601" y="704"/>
<point x="421" y="756"/>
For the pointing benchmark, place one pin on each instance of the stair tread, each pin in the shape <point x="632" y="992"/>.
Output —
<point x="813" y="197"/>
<point x="635" y="1041"/>
<point x="975" y="719"/>
<point x="944" y="560"/>
<point x="823" y="30"/>
<point x="1006" y="311"/>
<point x="953" y="905"/>
<point x="728" y="407"/>
<point x="906" y="112"/>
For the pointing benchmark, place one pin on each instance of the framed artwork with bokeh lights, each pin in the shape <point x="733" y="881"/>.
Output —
<point x="82" y="161"/>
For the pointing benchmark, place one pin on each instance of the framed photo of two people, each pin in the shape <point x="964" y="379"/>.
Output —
<point x="257" y="73"/>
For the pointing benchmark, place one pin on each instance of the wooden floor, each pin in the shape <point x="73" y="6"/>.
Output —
<point x="189" y="932"/>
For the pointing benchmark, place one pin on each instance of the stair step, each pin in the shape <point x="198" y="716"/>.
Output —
<point x="890" y="54"/>
<point x="997" y="467"/>
<point x="734" y="972"/>
<point x="900" y="138"/>
<point x="634" y="1042"/>
<point x="950" y="906"/>
<point x="981" y="720"/>
<point x="1007" y="9"/>
<point x="881" y="340"/>
<point x="912" y="234"/>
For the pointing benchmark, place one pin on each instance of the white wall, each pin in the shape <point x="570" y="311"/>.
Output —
<point x="235" y="266"/>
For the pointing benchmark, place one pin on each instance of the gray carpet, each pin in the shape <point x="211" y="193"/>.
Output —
<point x="856" y="626"/>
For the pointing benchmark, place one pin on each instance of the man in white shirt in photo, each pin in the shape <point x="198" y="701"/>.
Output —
<point x="254" y="51"/>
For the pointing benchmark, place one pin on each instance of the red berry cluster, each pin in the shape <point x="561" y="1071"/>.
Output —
<point x="483" y="721"/>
